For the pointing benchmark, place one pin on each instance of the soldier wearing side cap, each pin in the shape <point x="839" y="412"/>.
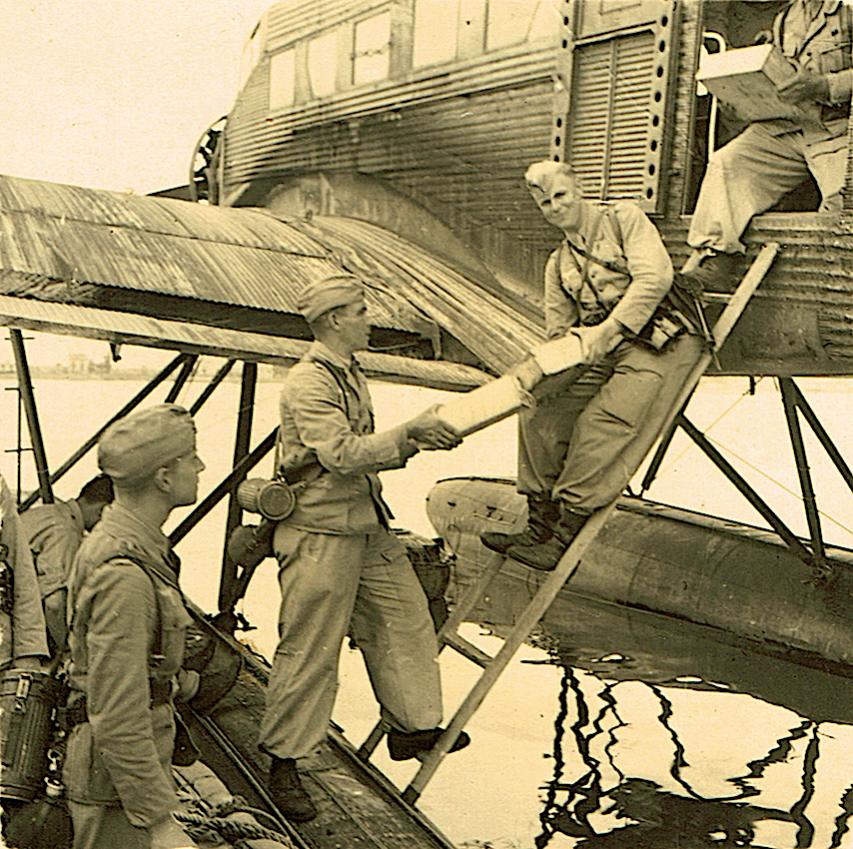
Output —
<point x="341" y="570"/>
<point x="127" y="632"/>
<point x="609" y="283"/>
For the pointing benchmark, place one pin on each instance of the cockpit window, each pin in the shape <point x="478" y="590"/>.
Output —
<point x="323" y="64"/>
<point x="511" y="22"/>
<point x="283" y="79"/>
<point x="433" y="17"/>
<point x="371" y="49"/>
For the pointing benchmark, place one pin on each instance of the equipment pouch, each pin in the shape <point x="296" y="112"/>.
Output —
<point x="248" y="545"/>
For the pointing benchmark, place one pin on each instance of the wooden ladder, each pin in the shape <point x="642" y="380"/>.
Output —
<point x="493" y="666"/>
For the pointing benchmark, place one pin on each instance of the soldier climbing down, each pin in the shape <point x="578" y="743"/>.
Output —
<point x="607" y="283"/>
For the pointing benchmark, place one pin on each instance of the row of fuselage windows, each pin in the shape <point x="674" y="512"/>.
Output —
<point x="360" y="53"/>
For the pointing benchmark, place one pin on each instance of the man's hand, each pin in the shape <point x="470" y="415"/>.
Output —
<point x="429" y="432"/>
<point x="805" y="86"/>
<point x="599" y="340"/>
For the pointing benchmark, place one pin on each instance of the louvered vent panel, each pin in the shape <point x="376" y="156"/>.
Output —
<point x="609" y="114"/>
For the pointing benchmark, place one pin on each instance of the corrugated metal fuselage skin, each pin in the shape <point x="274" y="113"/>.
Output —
<point x="454" y="140"/>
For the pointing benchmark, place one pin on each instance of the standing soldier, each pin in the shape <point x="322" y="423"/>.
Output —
<point x="55" y="532"/>
<point x="341" y="569"/>
<point x="23" y="639"/>
<point x="127" y="639"/>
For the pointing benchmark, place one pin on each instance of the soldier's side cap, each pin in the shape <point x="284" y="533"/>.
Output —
<point x="319" y="297"/>
<point x="136" y="446"/>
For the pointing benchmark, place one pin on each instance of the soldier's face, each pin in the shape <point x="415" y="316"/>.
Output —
<point x="184" y="472"/>
<point x="559" y="200"/>
<point x="353" y="325"/>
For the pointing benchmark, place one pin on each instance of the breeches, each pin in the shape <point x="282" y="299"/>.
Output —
<point x="331" y="585"/>
<point x="586" y="437"/>
<point x="753" y="172"/>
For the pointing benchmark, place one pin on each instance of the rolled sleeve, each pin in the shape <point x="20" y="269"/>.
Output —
<point x="311" y="398"/>
<point x="650" y="268"/>
<point x="118" y="640"/>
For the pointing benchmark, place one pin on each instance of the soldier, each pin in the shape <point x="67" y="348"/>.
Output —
<point x="341" y="569"/>
<point x="55" y="532"/>
<point x="127" y="639"/>
<point x="608" y="284"/>
<point x="753" y="171"/>
<point x="23" y="639"/>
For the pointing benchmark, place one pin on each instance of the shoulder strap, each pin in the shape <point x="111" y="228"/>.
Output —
<point x="338" y="380"/>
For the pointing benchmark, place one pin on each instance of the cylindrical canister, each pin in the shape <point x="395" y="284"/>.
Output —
<point x="26" y="707"/>
<point x="273" y="499"/>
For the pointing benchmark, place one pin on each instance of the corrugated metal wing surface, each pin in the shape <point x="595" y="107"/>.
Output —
<point x="495" y="332"/>
<point x="242" y="258"/>
<point x="135" y="329"/>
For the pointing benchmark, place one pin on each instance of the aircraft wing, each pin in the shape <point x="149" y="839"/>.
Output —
<point x="196" y="271"/>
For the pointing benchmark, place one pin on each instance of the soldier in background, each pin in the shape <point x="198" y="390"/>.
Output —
<point x="770" y="158"/>
<point x="55" y="532"/>
<point x="127" y="640"/>
<point x="23" y="638"/>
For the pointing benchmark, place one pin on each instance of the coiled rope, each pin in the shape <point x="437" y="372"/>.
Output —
<point x="231" y="830"/>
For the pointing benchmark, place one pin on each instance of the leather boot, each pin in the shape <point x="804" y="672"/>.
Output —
<point x="542" y="513"/>
<point x="287" y="792"/>
<point x="712" y="270"/>
<point x="545" y="557"/>
<point x="403" y="745"/>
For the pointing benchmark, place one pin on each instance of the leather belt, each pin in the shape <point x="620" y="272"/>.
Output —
<point x="77" y="713"/>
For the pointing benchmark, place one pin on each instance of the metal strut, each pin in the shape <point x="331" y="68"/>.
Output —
<point x="127" y="408"/>
<point x="245" y="415"/>
<point x="565" y="568"/>
<point x="26" y="394"/>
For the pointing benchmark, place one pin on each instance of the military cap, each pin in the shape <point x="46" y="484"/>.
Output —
<point x="135" y="446"/>
<point x="337" y="290"/>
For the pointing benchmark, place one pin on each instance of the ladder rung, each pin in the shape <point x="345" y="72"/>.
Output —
<point x="467" y="649"/>
<point x="716" y="297"/>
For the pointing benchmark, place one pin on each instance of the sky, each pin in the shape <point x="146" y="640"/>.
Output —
<point x="113" y="94"/>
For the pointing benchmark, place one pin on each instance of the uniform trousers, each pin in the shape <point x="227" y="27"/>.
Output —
<point x="105" y="827"/>
<point x="331" y="585"/>
<point x="754" y="171"/>
<point x="583" y="441"/>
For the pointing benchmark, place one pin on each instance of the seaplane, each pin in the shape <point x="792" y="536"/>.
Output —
<point x="359" y="141"/>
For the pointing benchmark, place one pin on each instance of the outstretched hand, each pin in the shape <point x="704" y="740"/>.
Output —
<point x="805" y="86"/>
<point x="430" y="433"/>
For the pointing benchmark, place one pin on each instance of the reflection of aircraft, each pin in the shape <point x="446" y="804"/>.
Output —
<point x="364" y="143"/>
<point x="607" y="798"/>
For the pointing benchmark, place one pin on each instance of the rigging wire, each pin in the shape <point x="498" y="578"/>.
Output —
<point x="794" y="494"/>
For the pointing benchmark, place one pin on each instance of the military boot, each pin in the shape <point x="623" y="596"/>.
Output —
<point x="545" y="556"/>
<point x="287" y="792"/>
<point x="712" y="270"/>
<point x="542" y="513"/>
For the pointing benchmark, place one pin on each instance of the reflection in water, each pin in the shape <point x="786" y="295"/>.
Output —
<point x="672" y="736"/>
<point x="660" y="818"/>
